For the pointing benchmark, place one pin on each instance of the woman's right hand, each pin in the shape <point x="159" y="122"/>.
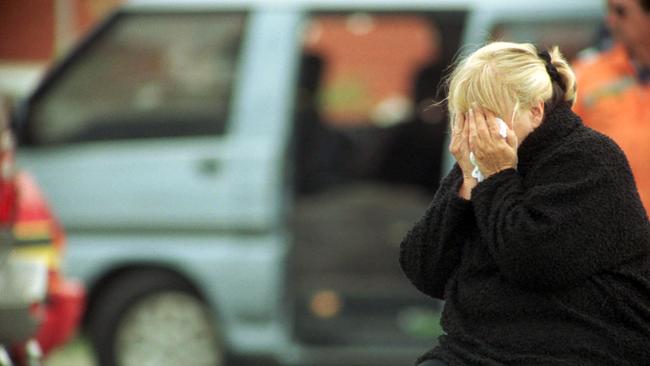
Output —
<point x="459" y="148"/>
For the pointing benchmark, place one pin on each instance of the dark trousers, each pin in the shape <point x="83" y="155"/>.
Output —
<point x="434" y="363"/>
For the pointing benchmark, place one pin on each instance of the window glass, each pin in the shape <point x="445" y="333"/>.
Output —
<point x="369" y="64"/>
<point x="146" y="76"/>
<point x="366" y="92"/>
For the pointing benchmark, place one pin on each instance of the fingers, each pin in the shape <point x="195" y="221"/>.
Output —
<point x="459" y="124"/>
<point x="480" y="118"/>
<point x="492" y="124"/>
<point x="479" y="134"/>
<point x="491" y="151"/>
<point x="465" y="132"/>
<point x="484" y="127"/>
<point x="455" y="145"/>
<point x="473" y="130"/>
<point x="511" y="139"/>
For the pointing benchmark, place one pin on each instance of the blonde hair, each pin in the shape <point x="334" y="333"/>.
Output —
<point x="506" y="77"/>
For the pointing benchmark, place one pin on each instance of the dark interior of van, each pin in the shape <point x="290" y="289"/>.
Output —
<point x="360" y="183"/>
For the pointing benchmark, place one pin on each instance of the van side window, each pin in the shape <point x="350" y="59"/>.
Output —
<point x="366" y="93"/>
<point x="143" y="76"/>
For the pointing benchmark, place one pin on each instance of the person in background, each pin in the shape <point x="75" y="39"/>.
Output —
<point x="546" y="260"/>
<point x="614" y="85"/>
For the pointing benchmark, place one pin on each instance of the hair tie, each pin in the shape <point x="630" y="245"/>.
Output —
<point x="551" y="69"/>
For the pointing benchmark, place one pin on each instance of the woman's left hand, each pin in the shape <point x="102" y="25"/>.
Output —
<point x="492" y="152"/>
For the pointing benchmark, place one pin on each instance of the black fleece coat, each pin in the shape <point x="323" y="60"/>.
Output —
<point x="547" y="264"/>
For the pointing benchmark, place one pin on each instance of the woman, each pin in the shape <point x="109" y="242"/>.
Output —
<point x="546" y="261"/>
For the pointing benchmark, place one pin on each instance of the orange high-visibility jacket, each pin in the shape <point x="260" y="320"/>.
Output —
<point x="612" y="101"/>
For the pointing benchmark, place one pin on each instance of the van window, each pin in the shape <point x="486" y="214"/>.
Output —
<point x="366" y="92"/>
<point x="144" y="76"/>
<point x="572" y="36"/>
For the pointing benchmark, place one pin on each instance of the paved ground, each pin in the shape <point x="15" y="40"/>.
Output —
<point x="78" y="353"/>
<point x="75" y="353"/>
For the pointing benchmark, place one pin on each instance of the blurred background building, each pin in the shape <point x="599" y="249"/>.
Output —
<point x="35" y="32"/>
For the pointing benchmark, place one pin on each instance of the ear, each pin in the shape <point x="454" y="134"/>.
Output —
<point x="537" y="114"/>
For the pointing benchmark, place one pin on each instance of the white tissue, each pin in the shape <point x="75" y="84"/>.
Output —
<point x="476" y="173"/>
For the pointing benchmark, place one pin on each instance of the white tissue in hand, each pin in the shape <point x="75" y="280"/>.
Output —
<point x="476" y="173"/>
<point x="503" y="127"/>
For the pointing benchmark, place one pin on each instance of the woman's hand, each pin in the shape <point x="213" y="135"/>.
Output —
<point x="493" y="153"/>
<point x="459" y="148"/>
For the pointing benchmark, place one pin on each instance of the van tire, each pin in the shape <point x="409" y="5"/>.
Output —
<point x="139" y="301"/>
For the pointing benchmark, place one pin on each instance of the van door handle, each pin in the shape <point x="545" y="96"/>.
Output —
<point x="208" y="166"/>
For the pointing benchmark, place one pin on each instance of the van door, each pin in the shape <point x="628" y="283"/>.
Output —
<point x="368" y="151"/>
<point x="131" y="132"/>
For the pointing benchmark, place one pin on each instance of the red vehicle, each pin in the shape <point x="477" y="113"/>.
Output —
<point x="32" y="234"/>
<point x="39" y="235"/>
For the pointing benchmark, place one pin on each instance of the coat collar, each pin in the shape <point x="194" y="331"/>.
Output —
<point x="557" y="124"/>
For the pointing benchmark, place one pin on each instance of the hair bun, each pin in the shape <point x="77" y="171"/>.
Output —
<point x="552" y="70"/>
<point x="564" y="73"/>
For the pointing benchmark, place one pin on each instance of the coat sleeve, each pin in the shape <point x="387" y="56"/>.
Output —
<point x="431" y="250"/>
<point x="581" y="216"/>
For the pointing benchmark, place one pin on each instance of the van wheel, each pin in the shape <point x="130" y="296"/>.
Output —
<point x="153" y="318"/>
